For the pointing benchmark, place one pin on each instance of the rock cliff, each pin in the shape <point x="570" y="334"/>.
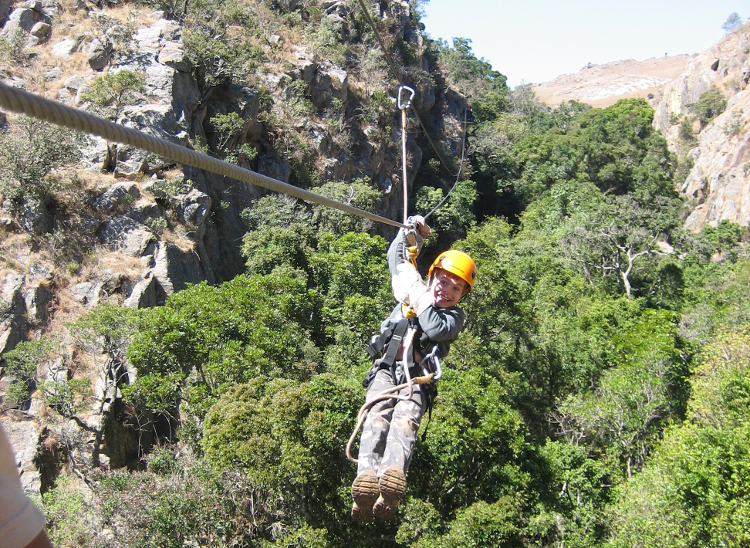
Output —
<point x="716" y="148"/>
<point x="130" y="229"/>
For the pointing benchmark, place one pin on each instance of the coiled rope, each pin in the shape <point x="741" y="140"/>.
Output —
<point x="23" y="102"/>
<point x="389" y="394"/>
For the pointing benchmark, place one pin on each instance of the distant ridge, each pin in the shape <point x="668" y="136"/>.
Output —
<point x="603" y="85"/>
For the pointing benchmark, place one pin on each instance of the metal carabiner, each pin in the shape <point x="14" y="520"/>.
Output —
<point x="433" y="356"/>
<point x="401" y="104"/>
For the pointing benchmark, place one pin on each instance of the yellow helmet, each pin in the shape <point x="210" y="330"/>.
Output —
<point x="457" y="263"/>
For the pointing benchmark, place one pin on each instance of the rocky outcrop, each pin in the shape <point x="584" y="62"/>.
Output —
<point x="12" y="312"/>
<point x="718" y="184"/>
<point x="162" y="230"/>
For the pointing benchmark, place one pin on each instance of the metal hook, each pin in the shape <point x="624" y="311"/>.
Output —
<point x="401" y="104"/>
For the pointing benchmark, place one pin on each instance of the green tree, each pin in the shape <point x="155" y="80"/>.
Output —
<point x="29" y="152"/>
<point x="207" y="339"/>
<point x="733" y="22"/>
<point x="710" y="105"/>
<point x="111" y="93"/>
<point x="21" y="367"/>
<point x="693" y="492"/>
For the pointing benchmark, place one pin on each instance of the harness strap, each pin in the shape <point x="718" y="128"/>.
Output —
<point x="383" y="341"/>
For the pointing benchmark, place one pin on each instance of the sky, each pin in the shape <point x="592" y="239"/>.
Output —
<point x="534" y="41"/>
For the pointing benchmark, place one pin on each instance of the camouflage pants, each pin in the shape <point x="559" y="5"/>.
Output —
<point x="390" y="430"/>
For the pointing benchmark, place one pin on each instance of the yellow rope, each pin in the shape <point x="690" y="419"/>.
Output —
<point x="388" y="394"/>
<point x="27" y="103"/>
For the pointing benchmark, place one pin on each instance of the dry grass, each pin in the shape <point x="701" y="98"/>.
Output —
<point x="178" y="237"/>
<point x="114" y="262"/>
<point x="15" y="252"/>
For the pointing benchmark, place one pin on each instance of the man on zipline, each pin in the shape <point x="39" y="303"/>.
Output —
<point x="390" y="430"/>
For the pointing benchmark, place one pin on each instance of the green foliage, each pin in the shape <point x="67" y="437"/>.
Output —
<point x="63" y="508"/>
<point x="326" y="41"/>
<point x="733" y="22"/>
<point x="631" y="400"/>
<point x="184" y="504"/>
<point x="112" y="92"/>
<point x="68" y="397"/>
<point x="229" y="130"/>
<point x="485" y="88"/>
<point x="221" y="56"/>
<point x="289" y="437"/>
<point x="693" y="492"/>
<point x="207" y="339"/>
<point x="360" y="193"/>
<point x="455" y="216"/>
<point x="709" y="105"/>
<point x="12" y="47"/>
<point x="686" y="133"/>
<point x="29" y="152"/>
<point x="300" y="103"/>
<point x="107" y="328"/>
<point x="21" y="366"/>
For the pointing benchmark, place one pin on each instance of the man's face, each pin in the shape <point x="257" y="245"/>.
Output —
<point x="447" y="289"/>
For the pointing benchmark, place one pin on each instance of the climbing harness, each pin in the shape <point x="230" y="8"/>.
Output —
<point x="430" y="361"/>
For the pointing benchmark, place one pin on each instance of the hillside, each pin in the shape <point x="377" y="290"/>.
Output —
<point x="182" y="355"/>
<point x="603" y="85"/>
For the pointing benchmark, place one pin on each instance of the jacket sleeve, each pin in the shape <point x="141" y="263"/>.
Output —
<point x="408" y="286"/>
<point x="441" y="324"/>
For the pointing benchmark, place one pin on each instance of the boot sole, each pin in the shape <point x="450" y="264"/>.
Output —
<point x="392" y="489"/>
<point x="365" y="492"/>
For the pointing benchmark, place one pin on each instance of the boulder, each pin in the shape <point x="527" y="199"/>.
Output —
<point x="37" y="301"/>
<point x="117" y="196"/>
<point x="41" y="30"/>
<point x="5" y="7"/>
<point x="24" y="436"/>
<point x="175" y="268"/>
<point x="64" y="48"/>
<point x="12" y="312"/>
<point x="53" y="74"/>
<point x="143" y="294"/>
<point x="34" y="217"/>
<point x="98" y="55"/>
<point x="87" y="293"/>
<point x="126" y="235"/>
<point x="331" y="82"/>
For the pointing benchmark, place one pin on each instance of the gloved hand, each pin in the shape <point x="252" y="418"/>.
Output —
<point x="420" y="226"/>
<point x="416" y="233"/>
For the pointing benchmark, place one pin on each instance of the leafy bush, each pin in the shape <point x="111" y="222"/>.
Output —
<point x="709" y="105"/>
<point x="694" y="490"/>
<point x="22" y="364"/>
<point x="112" y="92"/>
<point x="185" y="504"/>
<point x="29" y="152"/>
<point x="327" y="41"/>
<point x="207" y="339"/>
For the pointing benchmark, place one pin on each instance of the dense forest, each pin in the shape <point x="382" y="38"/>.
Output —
<point x="598" y="396"/>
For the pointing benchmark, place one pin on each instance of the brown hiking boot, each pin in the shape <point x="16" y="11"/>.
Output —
<point x="365" y="492"/>
<point x="392" y="489"/>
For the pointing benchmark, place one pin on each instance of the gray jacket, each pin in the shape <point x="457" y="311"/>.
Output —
<point x="437" y="325"/>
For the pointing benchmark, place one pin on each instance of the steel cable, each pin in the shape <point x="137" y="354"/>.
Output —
<point x="23" y="102"/>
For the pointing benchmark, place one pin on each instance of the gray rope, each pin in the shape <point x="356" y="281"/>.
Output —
<point x="27" y="103"/>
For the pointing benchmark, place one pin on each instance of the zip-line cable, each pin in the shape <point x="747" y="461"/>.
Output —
<point x="397" y="74"/>
<point x="458" y="176"/>
<point x="23" y="102"/>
